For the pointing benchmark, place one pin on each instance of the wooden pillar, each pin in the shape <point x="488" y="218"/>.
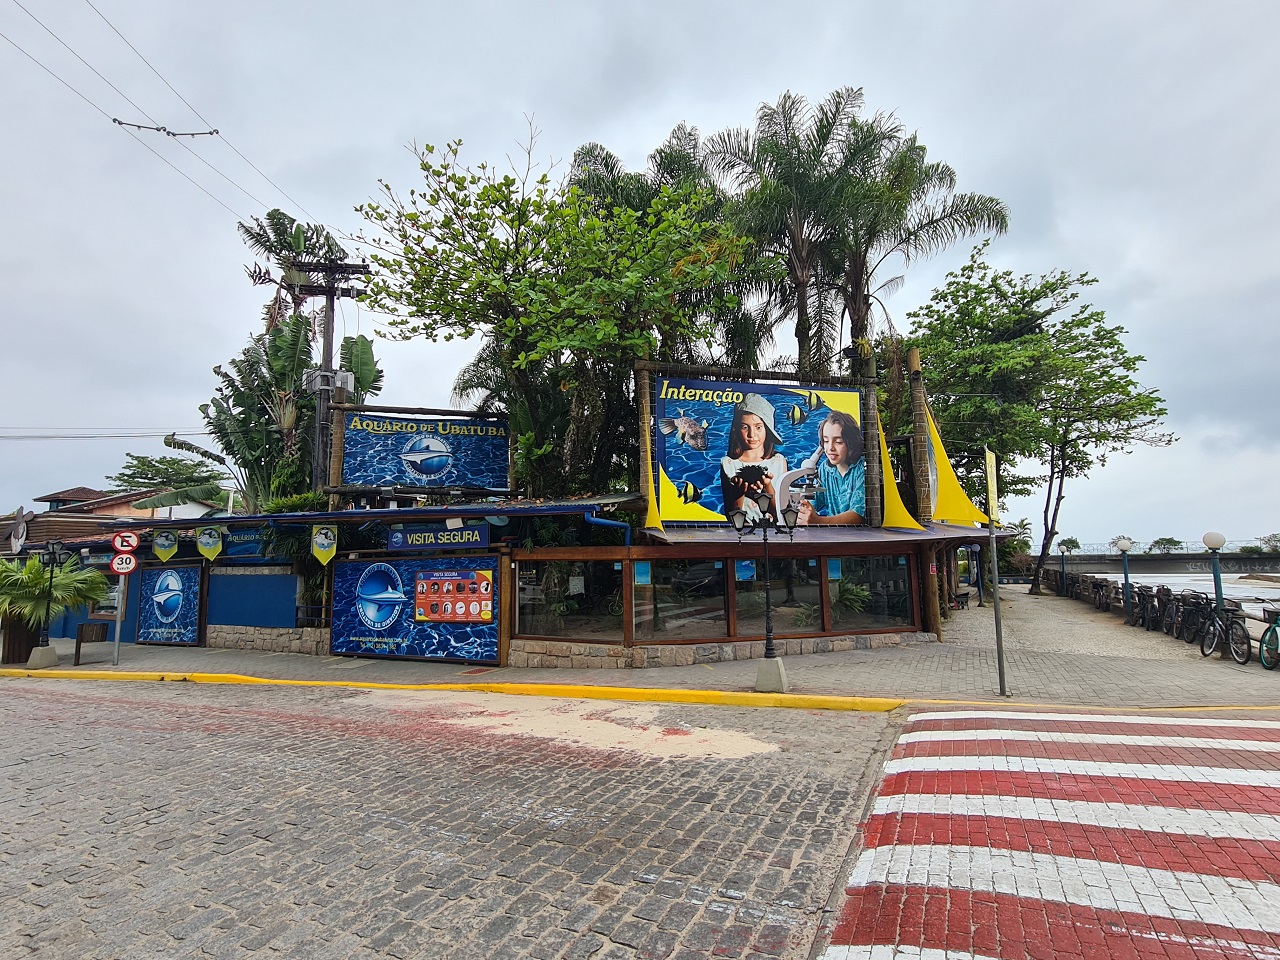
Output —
<point x="871" y="446"/>
<point x="337" y="444"/>
<point x="924" y="492"/>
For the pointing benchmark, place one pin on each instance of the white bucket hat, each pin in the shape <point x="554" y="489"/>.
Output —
<point x="762" y="408"/>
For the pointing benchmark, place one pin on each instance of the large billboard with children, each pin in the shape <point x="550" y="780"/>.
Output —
<point x="719" y="444"/>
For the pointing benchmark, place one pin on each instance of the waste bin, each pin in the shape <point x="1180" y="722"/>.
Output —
<point x="19" y="640"/>
<point x="89" y="633"/>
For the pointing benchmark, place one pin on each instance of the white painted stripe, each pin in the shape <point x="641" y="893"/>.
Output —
<point x="1127" y="740"/>
<point x="1216" y="824"/>
<point x="1087" y="768"/>
<point x="889" y="952"/>
<point x="1091" y="718"/>
<point x="1227" y="901"/>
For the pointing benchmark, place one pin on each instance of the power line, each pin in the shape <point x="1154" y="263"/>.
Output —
<point x="198" y="114"/>
<point x="156" y="125"/>
<point x="155" y="153"/>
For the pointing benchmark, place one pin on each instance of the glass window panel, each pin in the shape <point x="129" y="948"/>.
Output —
<point x="561" y="598"/>
<point x="794" y="593"/>
<point x="871" y="592"/>
<point x="684" y="600"/>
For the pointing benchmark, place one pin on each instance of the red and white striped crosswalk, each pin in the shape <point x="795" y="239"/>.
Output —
<point x="1026" y="836"/>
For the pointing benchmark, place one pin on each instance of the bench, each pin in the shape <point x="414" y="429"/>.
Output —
<point x="89" y="633"/>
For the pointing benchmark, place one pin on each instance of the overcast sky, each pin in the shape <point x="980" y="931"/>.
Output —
<point x="1135" y="141"/>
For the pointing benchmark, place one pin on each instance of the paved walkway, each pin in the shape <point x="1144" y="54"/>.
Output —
<point x="1056" y="651"/>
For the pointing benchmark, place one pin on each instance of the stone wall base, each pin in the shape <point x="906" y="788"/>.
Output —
<point x="578" y="655"/>
<point x="312" y="640"/>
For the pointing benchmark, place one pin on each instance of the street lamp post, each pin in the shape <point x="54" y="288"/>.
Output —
<point x="52" y="556"/>
<point x="1062" y="585"/>
<point x="771" y="677"/>
<point x="1215" y="542"/>
<point x="1124" y="546"/>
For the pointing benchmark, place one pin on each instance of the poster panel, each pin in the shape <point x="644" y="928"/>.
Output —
<point x="425" y="452"/>
<point x="385" y="608"/>
<point x="169" y="607"/>
<point x="716" y="442"/>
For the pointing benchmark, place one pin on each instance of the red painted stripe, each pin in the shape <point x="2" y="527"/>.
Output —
<point x="1017" y="928"/>
<point x="1067" y="786"/>
<point x="1255" y="860"/>
<point x="1187" y="756"/>
<point x="1136" y="728"/>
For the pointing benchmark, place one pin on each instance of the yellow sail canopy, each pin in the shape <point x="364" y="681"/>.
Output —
<point x="952" y="503"/>
<point x="895" y="511"/>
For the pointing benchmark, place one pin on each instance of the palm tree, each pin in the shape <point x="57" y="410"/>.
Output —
<point x="281" y="239"/>
<point x="896" y="206"/>
<point x="791" y="175"/>
<point x="37" y="596"/>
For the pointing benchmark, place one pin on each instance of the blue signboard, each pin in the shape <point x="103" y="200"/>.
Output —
<point x="718" y="444"/>
<point x="169" y="606"/>
<point x="242" y="543"/>
<point x="438" y="537"/>
<point x="419" y="452"/>
<point x="442" y="608"/>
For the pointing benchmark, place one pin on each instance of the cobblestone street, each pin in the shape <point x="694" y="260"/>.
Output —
<point x="183" y="820"/>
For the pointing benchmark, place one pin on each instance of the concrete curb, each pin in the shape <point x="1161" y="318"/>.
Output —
<point x="566" y="691"/>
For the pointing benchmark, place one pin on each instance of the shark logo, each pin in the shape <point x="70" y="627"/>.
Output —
<point x="167" y="597"/>
<point x="427" y="456"/>
<point x="379" y="596"/>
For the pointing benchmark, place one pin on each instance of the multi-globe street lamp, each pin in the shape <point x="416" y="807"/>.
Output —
<point x="770" y="675"/>
<point x="53" y="556"/>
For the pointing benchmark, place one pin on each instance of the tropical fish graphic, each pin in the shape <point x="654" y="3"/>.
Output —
<point x="797" y="414"/>
<point x="812" y="400"/>
<point x="686" y="429"/>
<point x="688" y="492"/>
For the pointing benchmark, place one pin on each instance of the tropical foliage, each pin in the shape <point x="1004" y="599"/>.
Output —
<point x="29" y="593"/>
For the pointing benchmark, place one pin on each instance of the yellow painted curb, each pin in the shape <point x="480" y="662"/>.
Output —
<point x="568" y="691"/>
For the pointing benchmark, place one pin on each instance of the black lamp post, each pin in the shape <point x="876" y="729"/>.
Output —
<point x="785" y="524"/>
<point x="52" y="556"/>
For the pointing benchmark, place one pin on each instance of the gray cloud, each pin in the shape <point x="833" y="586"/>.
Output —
<point x="1135" y="141"/>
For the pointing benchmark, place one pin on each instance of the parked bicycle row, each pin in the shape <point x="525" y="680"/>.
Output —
<point x="1190" y="615"/>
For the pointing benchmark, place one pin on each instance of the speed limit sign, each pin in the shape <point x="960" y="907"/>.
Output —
<point x="125" y="542"/>
<point x="124" y="563"/>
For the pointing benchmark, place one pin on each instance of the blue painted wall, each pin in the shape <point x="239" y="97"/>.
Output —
<point x="253" y="600"/>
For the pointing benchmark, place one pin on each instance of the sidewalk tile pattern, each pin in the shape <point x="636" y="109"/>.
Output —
<point x="1026" y="836"/>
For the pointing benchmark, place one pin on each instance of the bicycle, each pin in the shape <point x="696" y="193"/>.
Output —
<point x="1102" y="595"/>
<point x="1143" y="611"/>
<point x="1193" y="608"/>
<point x="1168" y="609"/>
<point x="1073" y="586"/>
<point x="1269" y="645"/>
<point x="1226" y="623"/>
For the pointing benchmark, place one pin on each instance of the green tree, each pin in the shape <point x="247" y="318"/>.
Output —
<point x="791" y="176"/>
<point x="1039" y="378"/>
<point x="1069" y="544"/>
<point x="1165" y="545"/>
<point x="146" y="473"/>
<point x="282" y="240"/>
<point x="26" y="594"/>
<point x="897" y="206"/>
<point x="552" y="282"/>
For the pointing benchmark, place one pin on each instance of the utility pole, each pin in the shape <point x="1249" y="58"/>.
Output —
<point x="324" y="384"/>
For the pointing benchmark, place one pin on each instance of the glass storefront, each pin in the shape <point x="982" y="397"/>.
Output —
<point x="688" y="600"/>
<point x="795" y="594"/>
<point x="581" y="599"/>
<point x="681" y="600"/>
<point x="869" y="592"/>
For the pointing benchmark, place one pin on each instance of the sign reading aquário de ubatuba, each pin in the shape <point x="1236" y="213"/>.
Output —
<point x="438" y="537"/>
<point x="385" y="451"/>
<point x="718" y="444"/>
